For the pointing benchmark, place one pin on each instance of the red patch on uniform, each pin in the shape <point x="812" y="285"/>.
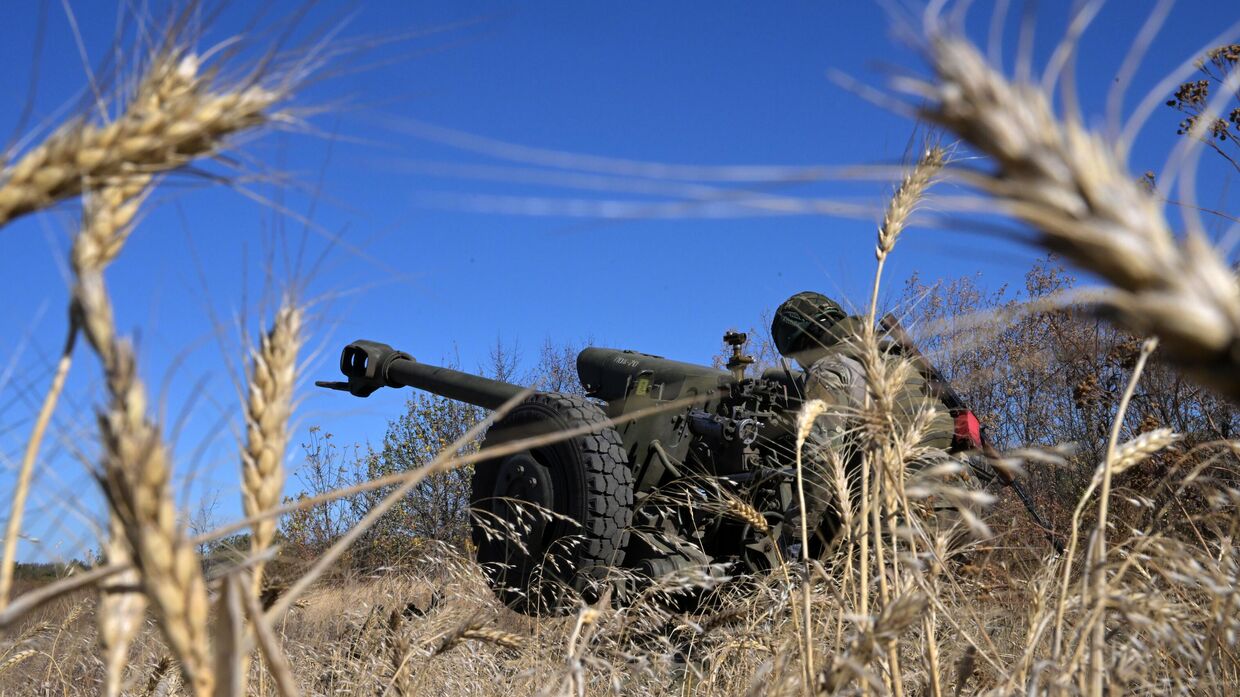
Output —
<point x="968" y="430"/>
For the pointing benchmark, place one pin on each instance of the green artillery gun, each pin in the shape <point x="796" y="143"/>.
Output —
<point x="662" y="446"/>
<point x="669" y="466"/>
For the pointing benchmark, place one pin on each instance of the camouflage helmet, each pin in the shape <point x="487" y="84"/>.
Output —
<point x="804" y="321"/>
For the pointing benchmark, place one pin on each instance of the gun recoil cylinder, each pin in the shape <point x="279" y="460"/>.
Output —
<point x="721" y="429"/>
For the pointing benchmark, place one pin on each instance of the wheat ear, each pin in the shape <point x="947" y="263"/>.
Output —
<point x="231" y="639"/>
<point x="120" y="610"/>
<point x="1137" y="450"/>
<point x="269" y="403"/>
<point x="1070" y="184"/>
<point x="881" y="379"/>
<point x="398" y="653"/>
<point x="908" y="194"/>
<point x="172" y="118"/>
<point x="472" y="628"/>
<point x="107" y="219"/>
<point x="136" y="475"/>
<point x="137" y="478"/>
<point x="498" y="637"/>
<point x="741" y="510"/>
<point x="16" y="659"/>
<point x="159" y="676"/>
<point x="895" y="618"/>
<point x="175" y="117"/>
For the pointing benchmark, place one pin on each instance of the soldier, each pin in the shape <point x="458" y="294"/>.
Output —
<point x="818" y="334"/>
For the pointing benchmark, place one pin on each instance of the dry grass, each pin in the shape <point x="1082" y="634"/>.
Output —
<point x="899" y="605"/>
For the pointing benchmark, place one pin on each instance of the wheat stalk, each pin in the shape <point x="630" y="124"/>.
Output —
<point x="21" y="491"/>
<point x="231" y="640"/>
<point x="269" y="644"/>
<point x="808" y="415"/>
<point x="1098" y="552"/>
<point x="108" y="217"/>
<point x="175" y="115"/>
<point x="173" y="118"/>
<point x="1070" y="185"/>
<point x="107" y="220"/>
<point x="272" y="374"/>
<point x="889" y="445"/>
<point x="136" y="471"/>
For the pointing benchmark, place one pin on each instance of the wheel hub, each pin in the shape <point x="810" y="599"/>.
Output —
<point x="524" y="496"/>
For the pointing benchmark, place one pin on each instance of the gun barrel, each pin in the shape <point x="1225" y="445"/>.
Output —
<point x="370" y="365"/>
<point x="453" y="384"/>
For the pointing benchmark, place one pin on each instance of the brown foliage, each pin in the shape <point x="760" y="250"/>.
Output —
<point x="1040" y="372"/>
<point x="1221" y="130"/>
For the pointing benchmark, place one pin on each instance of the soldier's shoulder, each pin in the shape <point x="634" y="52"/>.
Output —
<point x="837" y="367"/>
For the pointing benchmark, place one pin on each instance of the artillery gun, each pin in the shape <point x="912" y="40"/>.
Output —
<point x="661" y="448"/>
<point x="669" y="466"/>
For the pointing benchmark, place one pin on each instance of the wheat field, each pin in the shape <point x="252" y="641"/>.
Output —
<point x="1136" y="604"/>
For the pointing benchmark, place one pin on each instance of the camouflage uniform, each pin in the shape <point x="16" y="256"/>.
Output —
<point x="818" y="334"/>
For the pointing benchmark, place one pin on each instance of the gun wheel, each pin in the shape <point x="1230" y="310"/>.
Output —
<point x="549" y="522"/>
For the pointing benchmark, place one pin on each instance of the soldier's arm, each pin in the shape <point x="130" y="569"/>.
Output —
<point x="839" y="381"/>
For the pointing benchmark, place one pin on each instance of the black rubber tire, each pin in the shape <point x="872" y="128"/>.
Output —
<point x="592" y="488"/>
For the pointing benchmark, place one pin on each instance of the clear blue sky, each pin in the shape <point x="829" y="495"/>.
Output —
<point x="445" y="265"/>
